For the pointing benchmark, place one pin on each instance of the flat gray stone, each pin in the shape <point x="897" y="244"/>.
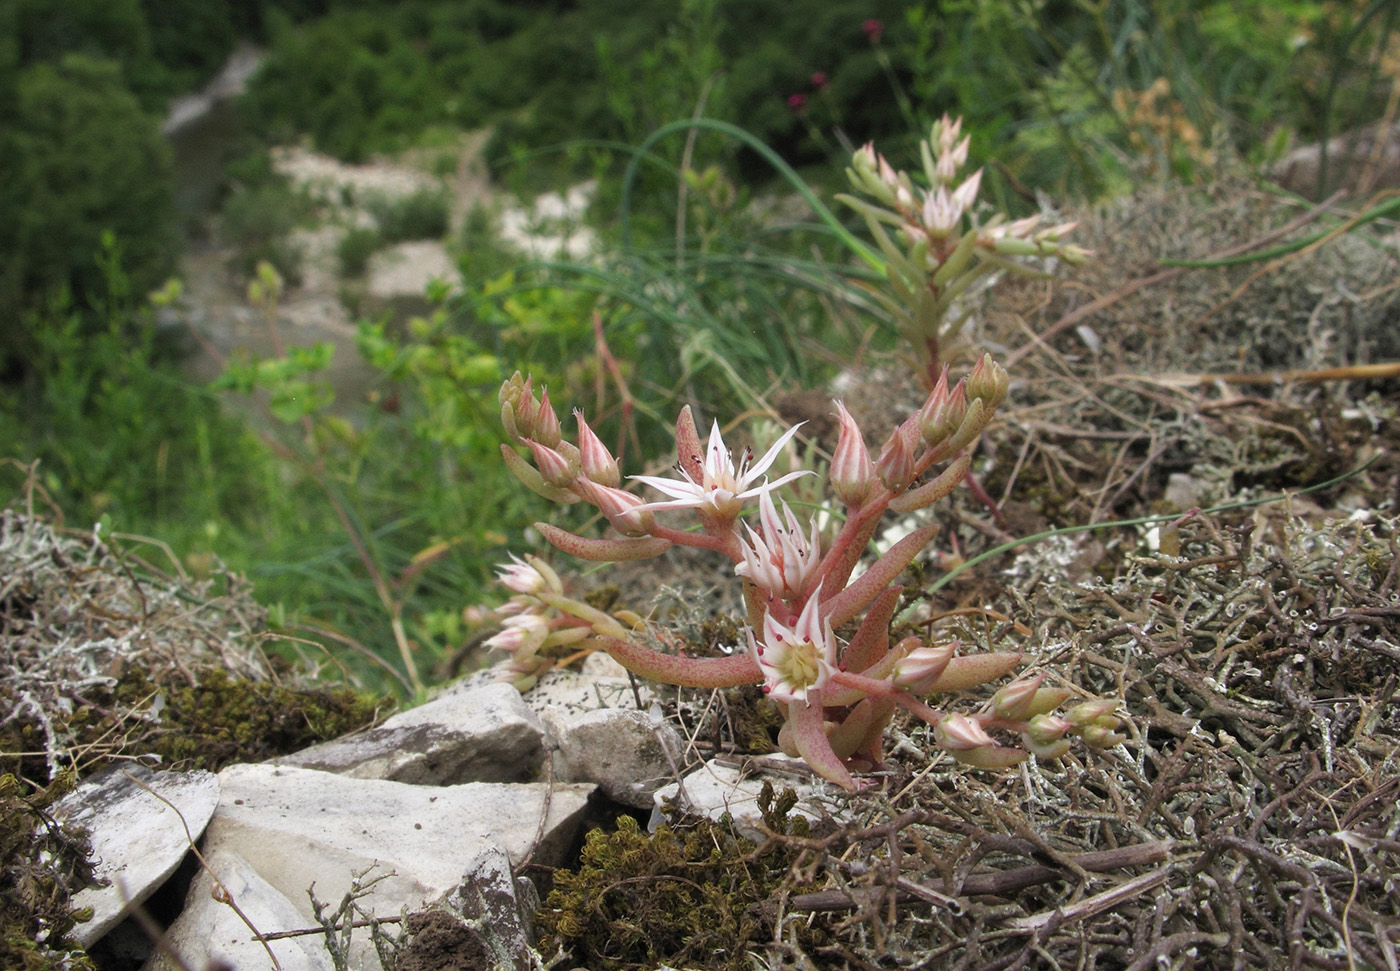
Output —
<point x="141" y="824"/>
<point x="621" y="750"/>
<point x="492" y="911"/>
<point x="603" y="683"/>
<point x="484" y="734"/>
<point x="711" y="790"/>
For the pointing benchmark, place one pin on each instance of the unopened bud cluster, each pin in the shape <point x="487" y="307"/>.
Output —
<point x="539" y="616"/>
<point x="934" y="245"/>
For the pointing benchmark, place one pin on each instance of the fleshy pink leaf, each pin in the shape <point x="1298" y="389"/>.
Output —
<point x="690" y="454"/>
<point x="935" y="489"/>
<point x="809" y="735"/>
<point x="872" y="640"/>
<point x="974" y="669"/>
<point x="851" y="601"/>
<point x="693" y="672"/>
<point x="845" y="739"/>
<point x="530" y="477"/>
<point x="604" y="550"/>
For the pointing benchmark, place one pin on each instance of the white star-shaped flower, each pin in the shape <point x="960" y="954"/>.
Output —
<point x="798" y="659"/>
<point x="779" y="559"/>
<point x="723" y="487"/>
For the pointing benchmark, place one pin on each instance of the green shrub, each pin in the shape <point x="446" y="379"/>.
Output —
<point x="355" y="249"/>
<point x="258" y="222"/>
<point x="420" y="215"/>
<point x="82" y="160"/>
<point x="263" y="212"/>
<point x="116" y="430"/>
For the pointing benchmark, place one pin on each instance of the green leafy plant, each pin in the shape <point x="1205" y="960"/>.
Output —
<point x="931" y="258"/>
<point x="418" y="215"/>
<point x="116" y="430"/>
<point x="83" y="161"/>
<point x="355" y="249"/>
<point x="258" y="220"/>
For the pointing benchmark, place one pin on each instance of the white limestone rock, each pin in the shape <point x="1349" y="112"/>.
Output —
<point x="486" y="734"/>
<point x="400" y="275"/>
<point x="141" y="825"/>
<point x="209" y="933"/>
<point x="712" y="789"/>
<point x="603" y="683"/>
<point x="622" y="750"/>
<point x="298" y="826"/>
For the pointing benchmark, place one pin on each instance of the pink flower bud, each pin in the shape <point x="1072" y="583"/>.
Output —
<point x="597" y="462"/>
<point x="554" y="468"/>
<point x="1015" y="699"/>
<point x="956" y="732"/>
<point x="547" y="431"/>
<point x="1088" y="712"/>
<point x="1098" y="736"/>
<point x="529" y="576"/>
<point x="864" y="159"/>
<point x="940" y="213"/>
<point x="522" y="635"/>
<point x="873" y="29"/>
<point x="888" y="175"/>
<point x="622" y="509"/>
<point x="966" y="194"/>
<point x="988" y="381"/>
<point x="917" y="671"/>
<point x="945" y="133"/>
<point x="819" y="80"/>
<point x="518" y="407"/>
<point x="943" y="411"/>
<point x="1047" y="729"/>
<point x="1075" y="255"/>
<point x="852" y="473"/>
<point x="950" y="158"/>
<point x="797" y="103"/>
<point x="895" y="466"/>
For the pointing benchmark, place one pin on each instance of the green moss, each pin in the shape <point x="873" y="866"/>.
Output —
<point x="754" y="718"/>
<point x="216" y="722"/>
<point x="686" y="897"/>
<point x="44" y="866"/>
<point x="223" y="720"/>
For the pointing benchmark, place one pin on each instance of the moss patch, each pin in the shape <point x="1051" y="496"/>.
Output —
<point x="685" y="897"/>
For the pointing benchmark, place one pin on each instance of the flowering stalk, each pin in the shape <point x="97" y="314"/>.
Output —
<point x="934" y="246"/>
<point x="837" y="697"/>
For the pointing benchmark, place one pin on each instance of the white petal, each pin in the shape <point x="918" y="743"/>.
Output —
<point x="679" y="489"/>
<point x="762" y="464"/>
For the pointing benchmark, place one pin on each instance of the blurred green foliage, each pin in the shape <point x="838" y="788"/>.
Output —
<point x="356" y="247"/>
<point x="116" y="430"/>
<point x="81" y="160"/>
<point x="418" y="215"/>
<point x="258" y="218"/>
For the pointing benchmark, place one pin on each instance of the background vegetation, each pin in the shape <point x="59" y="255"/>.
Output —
<point x="376" y="529"/>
